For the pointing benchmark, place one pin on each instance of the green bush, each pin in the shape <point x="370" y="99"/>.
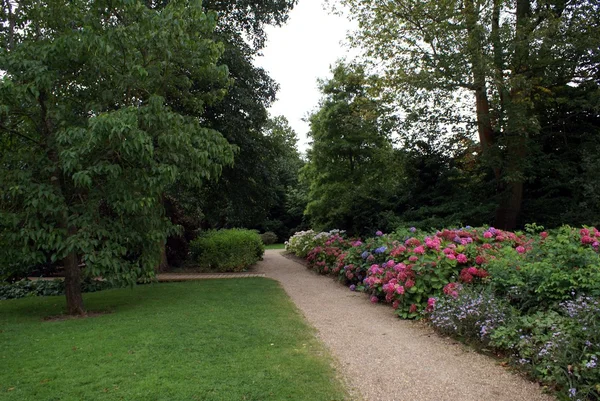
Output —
<point x="231" y="250"/>
<point x="269" y="238"/>
<point x="553" y="269"/>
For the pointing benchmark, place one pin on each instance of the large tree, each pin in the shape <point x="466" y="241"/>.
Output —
<point x="91" y="135"/>
<point x="352" y="169"/>
<point x="508" y="56"/>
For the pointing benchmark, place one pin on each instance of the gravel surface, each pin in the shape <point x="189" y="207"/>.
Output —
<point x="383" y="358"/>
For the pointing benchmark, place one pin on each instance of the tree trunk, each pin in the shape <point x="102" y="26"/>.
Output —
<point x="518" y="124"/>
<point x="73" y="285"/>
<point x="507" y="214"/>
<point x="163" y="265"/>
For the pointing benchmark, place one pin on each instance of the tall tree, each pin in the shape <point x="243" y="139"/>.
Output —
<point x="89" y="141"/>
<point x="508" y="55"/>
<point x="247" y="190"/>
<point x="351" y="163"/>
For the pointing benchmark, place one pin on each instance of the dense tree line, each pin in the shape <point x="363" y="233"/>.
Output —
<point x="522" y="77"/>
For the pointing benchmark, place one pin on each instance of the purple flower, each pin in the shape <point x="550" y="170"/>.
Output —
<point x="379" y="233"/>
<point x="380" y="249"/>
<point x="412" y="229"/>
<point x="352" y="287"/>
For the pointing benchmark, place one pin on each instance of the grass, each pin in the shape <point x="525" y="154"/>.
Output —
<point x="275" y="246"/>
<point x="204" y="340"/>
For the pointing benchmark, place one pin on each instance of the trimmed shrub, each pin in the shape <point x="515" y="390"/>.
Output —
<point x="269" y="238"/>
<point x="231" y="250"/>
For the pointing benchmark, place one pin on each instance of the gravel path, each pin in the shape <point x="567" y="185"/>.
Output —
<point x="383" y="358"/>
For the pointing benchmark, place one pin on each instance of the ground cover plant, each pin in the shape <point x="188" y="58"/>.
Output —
<point x="231" y="250"/>
<point x="206" y="340"/>
<point x="533" y="296"/>
<point x="32" y="288"/>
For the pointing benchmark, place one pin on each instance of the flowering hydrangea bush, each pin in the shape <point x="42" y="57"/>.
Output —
<point x="302" y="242"/>
<point x="532" y="296"/>
<point x="553" y="266"/>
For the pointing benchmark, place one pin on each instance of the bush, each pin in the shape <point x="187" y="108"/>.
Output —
<point x="302" y="242"/>
<point x="559" y="348"/>
<point x="231" y="250"/>
<point x="470" y="313"/>
<point x="555" y="265"/>
<point x="269" y="238"/>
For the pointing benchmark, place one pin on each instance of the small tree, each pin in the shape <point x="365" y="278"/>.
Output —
<point x="89" y="139"/>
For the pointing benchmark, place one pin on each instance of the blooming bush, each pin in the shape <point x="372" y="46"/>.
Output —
<point x="470" y="313"/>
<point x="302" y="242"/>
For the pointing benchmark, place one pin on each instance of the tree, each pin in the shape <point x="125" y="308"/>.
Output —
<point x="245" y="193"/>
<point x="509" y="56"/>
<point x="90" y="142"/>
<point x="351" y="165"/>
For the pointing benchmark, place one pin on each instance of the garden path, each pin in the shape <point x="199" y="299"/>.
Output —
<point x="383" y="358"/>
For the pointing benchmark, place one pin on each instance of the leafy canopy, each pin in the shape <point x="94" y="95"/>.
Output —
<point x="90" y="132"/>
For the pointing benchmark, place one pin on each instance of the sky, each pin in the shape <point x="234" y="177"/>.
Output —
<point x="299" y="53"/>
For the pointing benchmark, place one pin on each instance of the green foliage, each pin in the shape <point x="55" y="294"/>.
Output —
<point x="556" y="267"/>
<point x="268" y="238"/>
<point x="99" y="115"/>
<point x="559" y="348"/>
<point x="526" y="85"/>
<point x="32" y="288"/>
<point x="230" y="250"/>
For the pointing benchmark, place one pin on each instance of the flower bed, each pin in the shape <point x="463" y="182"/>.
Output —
<point x="510" y="291"/>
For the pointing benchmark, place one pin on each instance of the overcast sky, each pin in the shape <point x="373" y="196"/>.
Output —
<point x="297" y="54"/>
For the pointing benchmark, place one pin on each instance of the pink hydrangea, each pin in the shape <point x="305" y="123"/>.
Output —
<point x="452" y="289"/>
<point x="451" y="256"/>
<point x="409" y="283"/>
<point x="374" y="299"/>
<point x="462" y="258"/>
<point x="487" y="234"/>
<point x="431" y="304"/>
<point x="586" y="239"/>
<point x="400" y="267"/>
<point x="419" y="250"/>
<point x="400" y="290"/>
<point x="413" y="308"/>
<point x="520" y="249"/>
<point x="413" y="258"/>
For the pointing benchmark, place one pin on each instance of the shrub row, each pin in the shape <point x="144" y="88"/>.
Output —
<point x="534" y="297"/>
<point x="231" y="250"/>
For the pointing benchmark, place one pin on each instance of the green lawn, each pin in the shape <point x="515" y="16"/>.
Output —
<point x="204" y="340"/>
<point x="275" y="246"/>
